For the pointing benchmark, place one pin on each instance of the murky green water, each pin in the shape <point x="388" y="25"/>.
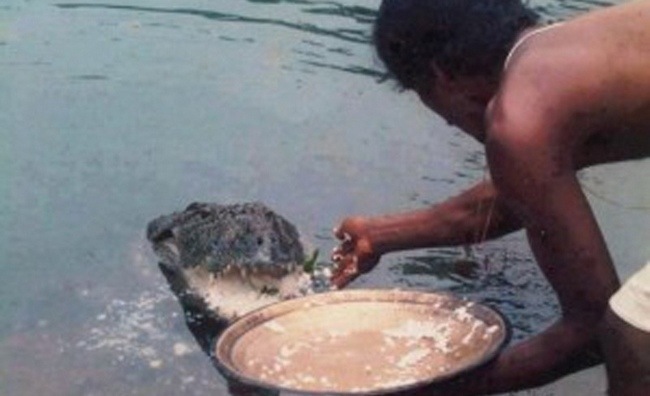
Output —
<point x="114" y="112"/>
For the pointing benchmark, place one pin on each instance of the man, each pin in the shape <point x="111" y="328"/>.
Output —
<point x="546" y="102"/>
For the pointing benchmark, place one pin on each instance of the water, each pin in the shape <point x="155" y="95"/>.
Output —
<point x="116" y="112"/>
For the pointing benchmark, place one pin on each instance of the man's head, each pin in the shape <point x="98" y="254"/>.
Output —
<point x="461" y="38"/>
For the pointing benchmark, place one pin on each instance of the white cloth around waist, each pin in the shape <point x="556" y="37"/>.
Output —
<point x="632" y="301"/>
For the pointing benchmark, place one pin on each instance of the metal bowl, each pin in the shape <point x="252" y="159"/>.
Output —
<point x="360" y="342"/>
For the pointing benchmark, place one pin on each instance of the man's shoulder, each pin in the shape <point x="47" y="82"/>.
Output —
<point x="524" y="106"/>
<point x="539" y="91"/>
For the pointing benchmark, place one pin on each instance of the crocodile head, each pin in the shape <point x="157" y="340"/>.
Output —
<point x="229" y="259"/>
<point x="222" y="261"/>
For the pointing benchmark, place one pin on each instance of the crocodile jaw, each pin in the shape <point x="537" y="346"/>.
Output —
<point x="235" y="291"/>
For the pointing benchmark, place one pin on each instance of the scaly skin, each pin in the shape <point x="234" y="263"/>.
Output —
<point x="212" y="240"/>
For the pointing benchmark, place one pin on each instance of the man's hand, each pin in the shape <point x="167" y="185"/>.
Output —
<point x="354" y="255"/>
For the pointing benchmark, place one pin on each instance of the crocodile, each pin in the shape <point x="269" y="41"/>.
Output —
<point x="223" y="261"/>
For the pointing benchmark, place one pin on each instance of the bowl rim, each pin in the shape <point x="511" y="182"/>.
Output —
<point x="222" y="344"/>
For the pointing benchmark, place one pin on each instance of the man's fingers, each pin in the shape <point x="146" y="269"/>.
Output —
<point x="343" y="278"/>
<point x="346" y="247"/>
<point x="338" y="233"/>
<point x="342" y="235"/>
<point x="347" y="270"/>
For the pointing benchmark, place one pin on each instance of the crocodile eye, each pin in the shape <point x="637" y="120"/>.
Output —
<point x="161" y="236"/>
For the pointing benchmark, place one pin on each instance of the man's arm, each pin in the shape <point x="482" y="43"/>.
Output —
<point x="533" y="363"/>
<point x="534" y="171"/>
<point x="473" y="216"/>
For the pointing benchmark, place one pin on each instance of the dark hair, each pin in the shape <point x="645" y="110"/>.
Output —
<point x="463" y="37"/>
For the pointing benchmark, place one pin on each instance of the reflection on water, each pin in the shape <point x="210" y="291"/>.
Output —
<point x="358" y="31"/>
<point x="353" y="35"/>
<point x="562" y="9"/>
<point x="117" y="112"/>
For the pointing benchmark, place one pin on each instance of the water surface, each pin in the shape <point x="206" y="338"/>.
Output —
<point x="115" y="112"/>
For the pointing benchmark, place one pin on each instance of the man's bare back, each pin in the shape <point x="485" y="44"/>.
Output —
<point x="592" y="76"/>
